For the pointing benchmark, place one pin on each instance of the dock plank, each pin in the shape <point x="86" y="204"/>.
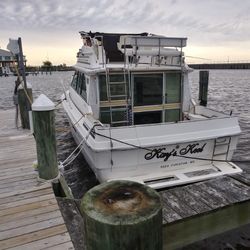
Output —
<point x="196" y="204"/>
<point x="8" y="179"/>
<point x="232" y="189"/>
<point x="172" y="201"/>
<point x="63" y="246"/>
<point x="29" y="213"/>
<point x="13" y="232"/>
<point x="18" y="184"/>
<point x="26" y="201"/>
<point x="30" y="237"/>
<point x="200" y="192"/>
<point x="227" y="202"/>
<point x="169" y="215"/>
<point x="21" y="186"/>
<point x="29" y="220"/>
<point x="24" y="214"/>
<point x="26" y="190"/>
<point x="24" y="196"/>
<point x="44" y="243"/>
<point x="27" y="207"/>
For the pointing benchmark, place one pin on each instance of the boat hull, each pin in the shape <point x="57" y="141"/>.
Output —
<point x="112" y="156"/>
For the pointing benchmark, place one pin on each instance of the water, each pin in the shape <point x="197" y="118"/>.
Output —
<point x="228" y="91"/>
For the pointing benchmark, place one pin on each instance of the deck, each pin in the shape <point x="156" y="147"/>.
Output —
<point x="201" y="210"/>
<point x="29" y="214"/>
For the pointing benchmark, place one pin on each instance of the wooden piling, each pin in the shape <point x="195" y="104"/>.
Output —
<point x="122" y="215"/>
<point x="44" y="132"/>
<point x="203" y="87"/>
<point x="24" y="103"/>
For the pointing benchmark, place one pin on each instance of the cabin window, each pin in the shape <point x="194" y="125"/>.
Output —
<point x="157" y="97"/>
<point x="113" y="99"/>
<point x="147" y="117"/>
<point x="74" y="81"/>
<point x="82" y="89"/>
<point x="79" y="84"/>
<point x="173" y="88"/>
<point x="172" y="115"/>
<point x="103" y="88"/>
<point x="116" y="88"/>
<point x="105" y="115"/>
<point x="148" y="89"/>
<point x="117" y="116"/>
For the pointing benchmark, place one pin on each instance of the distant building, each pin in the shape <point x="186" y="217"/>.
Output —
<point x="7" y="61"/>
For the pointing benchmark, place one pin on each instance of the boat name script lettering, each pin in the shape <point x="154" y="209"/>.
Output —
<point x="161" y="153"/>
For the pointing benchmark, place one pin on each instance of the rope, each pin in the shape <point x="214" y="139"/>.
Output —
<point x="51" y="180"/>
<point x="59" y="102"/>
<point x="68" y="160"/>
<point x="79" y="120"/>
<point x="21" y="82"/>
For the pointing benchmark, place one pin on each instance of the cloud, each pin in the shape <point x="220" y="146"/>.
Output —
<point x="58" y="21"/>
<point x="186" y="16"/>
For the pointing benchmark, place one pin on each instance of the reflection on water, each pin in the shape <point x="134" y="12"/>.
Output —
<point x="229" y="90"/>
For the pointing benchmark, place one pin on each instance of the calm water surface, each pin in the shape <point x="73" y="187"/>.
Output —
<point x="229" y="90"/>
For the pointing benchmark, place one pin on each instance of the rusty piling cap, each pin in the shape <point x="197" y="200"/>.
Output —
<point x="119" y="202"/>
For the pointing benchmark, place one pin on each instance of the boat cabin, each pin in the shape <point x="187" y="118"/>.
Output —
<point x="131" y="79"/>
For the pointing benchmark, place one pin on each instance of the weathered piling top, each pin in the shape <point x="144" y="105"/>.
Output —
<point x="29" y="214"/>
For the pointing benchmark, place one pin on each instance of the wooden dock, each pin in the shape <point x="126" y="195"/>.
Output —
<point x="29" y="214"/>
<point x="201" y="210"/>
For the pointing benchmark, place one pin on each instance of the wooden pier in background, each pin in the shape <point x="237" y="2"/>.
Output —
<point x="29" y="214"/>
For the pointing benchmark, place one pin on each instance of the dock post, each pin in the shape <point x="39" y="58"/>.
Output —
<point x="122" y="215"/>
<point x="24" y="103"/>
<point x="203" y="87"/>
<point x="44" y="132"/>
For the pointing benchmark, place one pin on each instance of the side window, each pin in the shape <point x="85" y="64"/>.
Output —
<point x="74" y="80"/>
<point x="173" y="88"/>
<point x="79" y="84"/>
<point x="172" y="97"/>
<point x="118" y="87"/>
<point x="83" y="87"/>
<point x="103" y="88"/>
<point x="172" y="115"/>
<point x="148" y="89"/>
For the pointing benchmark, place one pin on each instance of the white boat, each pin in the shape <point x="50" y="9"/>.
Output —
<point x="131" y="111"/>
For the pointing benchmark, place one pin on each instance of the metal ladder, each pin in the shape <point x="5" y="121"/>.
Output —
<point x="121" y="96"/>
<point x="219" y="144"/>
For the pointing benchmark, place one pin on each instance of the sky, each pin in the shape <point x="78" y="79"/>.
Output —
<point x="217" y="30"/>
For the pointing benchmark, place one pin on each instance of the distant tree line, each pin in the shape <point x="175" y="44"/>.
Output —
<point x="48" y="67"/>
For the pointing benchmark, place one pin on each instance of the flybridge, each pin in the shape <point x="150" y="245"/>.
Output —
<point x="137" y="49"/>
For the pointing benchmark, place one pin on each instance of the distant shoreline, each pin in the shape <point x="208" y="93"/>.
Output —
<point x="220" y="66"/>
